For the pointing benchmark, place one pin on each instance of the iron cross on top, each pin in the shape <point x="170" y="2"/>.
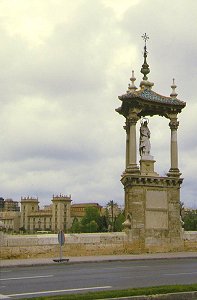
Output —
<point x="145" y="37"/>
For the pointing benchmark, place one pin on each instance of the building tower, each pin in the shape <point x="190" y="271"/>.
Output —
<point x="61" y="219"/>
<point x="28" y="205"/>
<point x="152" y="202"/>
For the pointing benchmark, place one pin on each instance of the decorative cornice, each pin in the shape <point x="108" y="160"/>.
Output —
<point x="128" y="180"/>
<point x="152" y="96"/>
<point x="149" y="103"/>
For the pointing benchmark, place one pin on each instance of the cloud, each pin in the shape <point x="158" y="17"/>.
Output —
<point x="63" y="65"/>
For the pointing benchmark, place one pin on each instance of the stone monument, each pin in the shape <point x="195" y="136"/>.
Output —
<point x="152" y="202"/>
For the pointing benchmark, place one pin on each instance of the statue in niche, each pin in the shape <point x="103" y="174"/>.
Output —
<point x="144" y="145"/>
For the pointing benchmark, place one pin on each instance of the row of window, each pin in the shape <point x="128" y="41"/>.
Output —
<point x="8" y="222"/>
<point x="41" y="220"/>
<point x="33" y="207"/>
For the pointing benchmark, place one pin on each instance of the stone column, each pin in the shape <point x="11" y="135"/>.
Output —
<point x="131" y="144"/>
<point x="174" y="171"/>
<point x="126" y="127"/>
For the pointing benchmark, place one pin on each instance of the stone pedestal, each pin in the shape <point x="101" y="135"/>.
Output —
<point x="152" y="207"/>
<point x="147" y="166"/>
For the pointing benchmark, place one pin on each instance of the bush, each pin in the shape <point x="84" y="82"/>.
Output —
<point x="190" y="221"/>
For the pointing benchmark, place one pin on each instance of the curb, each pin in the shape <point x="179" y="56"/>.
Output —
<point x="170" y="296"/>
<point x="9" y="264"/>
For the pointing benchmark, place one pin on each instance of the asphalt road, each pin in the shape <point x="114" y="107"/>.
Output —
<point x="57" y="279"/>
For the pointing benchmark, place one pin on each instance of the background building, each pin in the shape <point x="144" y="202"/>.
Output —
<point x="59" y="215"/>
<point x="78" y="210"/>
<point x="10" y="214"/>
<point x="11" y="220"/>
<point x="11" y="205"/>
<point x="8" y="205"/>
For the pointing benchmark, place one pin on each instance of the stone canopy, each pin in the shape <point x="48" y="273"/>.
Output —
<point x="149" y="103"/>
<point x="152" y="202"/>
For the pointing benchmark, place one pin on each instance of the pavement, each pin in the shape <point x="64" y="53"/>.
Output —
<point x="4" y="263"/>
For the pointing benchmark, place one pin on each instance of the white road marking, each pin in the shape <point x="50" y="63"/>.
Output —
<point x="60" y="291"/>
<point x="131" y="268"/>
<point x="4" y="297"/>
<point x="28" y="277"/>
<point x="175" y="274"/>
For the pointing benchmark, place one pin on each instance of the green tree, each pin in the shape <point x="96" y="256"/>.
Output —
<point x="91" y="227"/>
<point x="103" y="224"/>
<point x="76" y="226"/>
<point x="190" y="221"/>
<point x="90" y="220"/>
<point x="118" y="222"/>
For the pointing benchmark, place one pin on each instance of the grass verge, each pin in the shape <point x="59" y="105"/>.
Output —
<point x="123" y="293"/>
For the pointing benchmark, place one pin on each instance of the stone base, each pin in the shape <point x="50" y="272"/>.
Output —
<point x="153" y="204"/>
<point x="132" y="169"/>
<point x="174" y="173"/>
<point x="147" y="166"/>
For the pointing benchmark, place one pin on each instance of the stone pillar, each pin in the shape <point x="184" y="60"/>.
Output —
<point x="126" y="127"/>
<point x="131" y="149"/>
<point x="174" y="170"/>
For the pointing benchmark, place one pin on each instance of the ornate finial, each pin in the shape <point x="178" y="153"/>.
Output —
<point x="145" y="67"/>
<point x="173" y="86"/>
<point x="132" y="86"/>
<point x="145" y="37"/>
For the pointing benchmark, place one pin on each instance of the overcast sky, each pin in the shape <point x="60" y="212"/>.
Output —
<point x="63" y="65"/>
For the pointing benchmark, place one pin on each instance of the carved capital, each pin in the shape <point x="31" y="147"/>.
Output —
<point x="126" y="127"/>
<point x="133" y="115"/>
<point x="129" y="122"/>
<point x="174" y="123"/>
<point x="132" y="120"/>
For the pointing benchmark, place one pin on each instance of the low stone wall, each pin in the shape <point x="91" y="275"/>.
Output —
<point x="75" y="245"/>
<point x="46" y="245"/>
<point x="52" y="239"/>
<point x="190" y="240"/>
